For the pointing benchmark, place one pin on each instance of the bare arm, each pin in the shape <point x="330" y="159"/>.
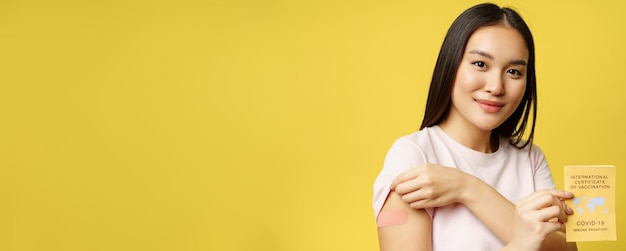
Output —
<point x="432" y="185"/>
<point x="410" y="230"/>
<point x="494" y="210"/>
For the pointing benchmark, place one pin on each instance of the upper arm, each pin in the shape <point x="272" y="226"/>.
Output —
<point x="412" y="234"/>
<point x="402" y="156"/>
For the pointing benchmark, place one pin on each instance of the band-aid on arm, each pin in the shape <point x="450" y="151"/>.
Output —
<point x="401" y="227"/>
<point x="392" y="218"/>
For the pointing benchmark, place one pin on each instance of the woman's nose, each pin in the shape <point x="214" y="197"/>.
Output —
<point x="495" y="85"/>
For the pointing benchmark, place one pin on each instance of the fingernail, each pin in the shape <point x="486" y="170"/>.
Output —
<point x="569" y="210"/>
<point x="570" y="194"/>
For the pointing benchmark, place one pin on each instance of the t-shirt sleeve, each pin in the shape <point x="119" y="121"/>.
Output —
<point x="403" y="155"/>
<point x="541" y="172"/>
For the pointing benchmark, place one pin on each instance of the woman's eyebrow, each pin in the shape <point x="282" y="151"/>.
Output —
<point x="519" y="62"/>
<point x="482" y="53"/>
<point x="489" y="56"/>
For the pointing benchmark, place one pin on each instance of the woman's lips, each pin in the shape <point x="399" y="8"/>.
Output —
<point x="489" y="106"/>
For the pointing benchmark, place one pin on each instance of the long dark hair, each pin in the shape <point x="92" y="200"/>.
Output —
<point x="450" y="55"/>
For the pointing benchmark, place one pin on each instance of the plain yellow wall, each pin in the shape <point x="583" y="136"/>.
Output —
<point x="256" y="125"/>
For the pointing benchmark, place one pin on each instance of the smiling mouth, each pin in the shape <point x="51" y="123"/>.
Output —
<point x="490" y="106"/>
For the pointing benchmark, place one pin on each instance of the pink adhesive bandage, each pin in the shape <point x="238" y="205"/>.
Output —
<point x="392" y="218"/>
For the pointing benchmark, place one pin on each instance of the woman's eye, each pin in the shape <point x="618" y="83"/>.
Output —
<point x="514" y="72"/>
<point x="480" y="64"/>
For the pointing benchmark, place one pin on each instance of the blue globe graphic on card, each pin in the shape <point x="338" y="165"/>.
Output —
<point x="591" y="204"/>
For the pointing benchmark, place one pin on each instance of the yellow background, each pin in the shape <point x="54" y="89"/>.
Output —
<point x="255" y="125"/>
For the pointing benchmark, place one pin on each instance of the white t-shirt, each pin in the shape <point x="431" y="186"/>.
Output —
<point x="513" y="172"/>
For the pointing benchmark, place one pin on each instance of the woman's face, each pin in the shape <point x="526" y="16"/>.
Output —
<point x="491" y="78"/>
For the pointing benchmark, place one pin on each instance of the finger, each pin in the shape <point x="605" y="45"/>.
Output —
<point x="416" y="195"/>
<point x="561" y="226"/>
<point x="536" y="201"/>
<point x="562" y="194"/>
<point x="553" y="226"/>
<point x="547" y="226"/>
<point x="407" y="175"/>
<point x="556" y="220"/>
<point x="558" y="202"/>
<point x="408" y="186"/>
<point x="558" y="193"/>
<point x="421" y="204"/>
<point x="564" y="209"/>
<point x="549" y="213"/>
<point x="543" y="198"/>
<point x="568" y="210"/>
<point x="562" y="216"/>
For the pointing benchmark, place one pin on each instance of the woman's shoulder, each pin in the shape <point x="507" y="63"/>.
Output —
<point x="420" y="138"/>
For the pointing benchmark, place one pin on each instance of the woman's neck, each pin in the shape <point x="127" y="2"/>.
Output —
<point x="471" y="137"/>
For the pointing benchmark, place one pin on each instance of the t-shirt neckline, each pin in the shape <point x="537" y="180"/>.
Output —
<point x="455" y="145"/>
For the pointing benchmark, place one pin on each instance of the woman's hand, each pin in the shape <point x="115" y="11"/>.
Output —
<point x="537" y="215"/>
<point x="431" y="185"/>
